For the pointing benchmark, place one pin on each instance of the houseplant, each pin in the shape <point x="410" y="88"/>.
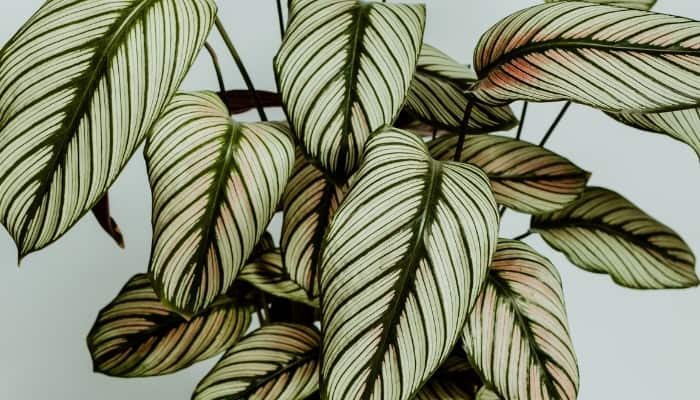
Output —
<point x="190" y="142"/>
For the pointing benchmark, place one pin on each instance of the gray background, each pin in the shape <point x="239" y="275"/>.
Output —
<point x="631" y="345"/>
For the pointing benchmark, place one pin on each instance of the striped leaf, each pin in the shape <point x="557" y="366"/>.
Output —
<point x="611" y="58"/>
<point x="310" y="202"/>
<point x="404" y="260"/>
<point x="136" y="335"/>
<point x="216" y="184"/>
<point x="276" y="362"/>
<point x="450" y="382"/>
<point x="517" y="335"/>
<point x="343" y="71"/>
<point x="603" y="232"/>
<point x="635" y="4"/>
<point x="524" y="176"/>
<point x="81" y="84"/>
<point x="437" y="95"/>
<point x="486" y="394"/>
<point x="682" y="125"/>
<point x="267" y="273"/>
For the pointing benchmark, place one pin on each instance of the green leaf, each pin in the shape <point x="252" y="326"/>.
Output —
<point x="635" y="4"/>
<point x="607" y="57"/>
<point x="267" y="273"/>
<point x="486" y="394"/>
<point x="603" y="232"/>
<point x="451" y="382"/>
<point x="310" y="202"/>
<point x="81" y="85"/>
<point x="682" y="125"/>
<point x="437" y="95"/>
<point x="276" y="362"/>
<point x="216" y="184"/>
<point x="524" y="176"/>
<point x="517" y="335"/>
<point x="404" y="260"/>
<point x="136" y="335"/>
<point x="343" y="71"/>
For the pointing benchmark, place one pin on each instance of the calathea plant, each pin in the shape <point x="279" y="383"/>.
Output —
<point x="390" y="280"/>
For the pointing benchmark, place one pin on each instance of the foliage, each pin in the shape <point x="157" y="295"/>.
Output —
<point x="390" y="281"/>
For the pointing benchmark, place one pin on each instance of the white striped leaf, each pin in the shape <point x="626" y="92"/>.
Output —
<point x="310" y="202"/>
<point x="81" y="85"/>
<point x="635" y="4"/>
<point x="524" y="176"/>
<point x="611" y="58"/>
<point x="343" y="71"/>
<point x="517" y="335"/>
<point x="437" y="95"/>
<point x="137" y="335"/>
<point x="682" y="125"/>
<point x="603" y="232"/>
<point x="450" y="382"/>
<point x="268" y="273"/>
<point x="404" y="260"/>
<point x="216" y="185"/>
<point x="486" y="394"/>
<point x="275" y="362"/>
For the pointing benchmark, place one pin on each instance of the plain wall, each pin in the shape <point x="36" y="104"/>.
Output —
<point x="630" y="344"/>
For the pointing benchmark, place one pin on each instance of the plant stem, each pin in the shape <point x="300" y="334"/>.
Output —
<point x="280" y="16"/>
<point x="434" y="133"/>
<point x="217" y="67"/>
<point x="522" y="120"/>
<point x="463" y="130"/>
<point x="523" y="236"/>
<point x="502" y="211"/>
<point x="241" y="67"/>
<point x="555" y="123"/>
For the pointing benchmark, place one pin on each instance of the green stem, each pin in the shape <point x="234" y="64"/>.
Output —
<point x="217" y="67"/>
<point x="280" y="16"/>
<point x="523" y="236"/>
<point x="555" y="123"/>
<point x="522" y="121"/>
<point x="241" y="67"/>
<point x="463" y="130"/>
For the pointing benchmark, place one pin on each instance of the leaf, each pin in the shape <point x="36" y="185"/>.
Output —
<point x="276" y="362"/>
<point x="216" y="184"/>
<point x="437" y="95"/>
<point x="136" y="335"/>
<point x="635" y="4"/>
<point x="449" y="382"/>
<point x="683" y="125"/>
<point x="517" y="335"/>
<point x="603" y="232"/>
<point x="524" y="177"/>
<point x="267" y="273"/>
<point x="607" y="57"/>
<point x="343" y="70"/>
<point x="310" y="202"/>
<point x="104" y="218"/>
<point x="404" y="260"/>
<point x="486" y="394"/>
<point x="81" y="85"/>
<point x="241" y="101"/>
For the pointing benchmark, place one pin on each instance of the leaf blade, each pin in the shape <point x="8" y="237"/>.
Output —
<point x="681" y="125"/>
<point x="635" y="4"/>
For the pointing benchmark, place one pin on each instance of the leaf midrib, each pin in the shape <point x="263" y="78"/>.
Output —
<point x="82" y="99"/>
<point x="404" y="284"/>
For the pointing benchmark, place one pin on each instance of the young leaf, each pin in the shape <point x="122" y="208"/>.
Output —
<point x="404" y="260"/>
<point x="103" y="216"/>
<point x="603" y="232"/>
<point x="611" y="58"/>
<point x="524" y="176"/>
<point x="136" y="335"/>
<point x="635" y="4"/>
<point x="216" y="184"/>
<point x="517" y="335"/>
<point x="276" y="362"/>
<point x="310" y="202"/>
<point x="683" y="125"/>
<point x="267" y="273"/>
<point x="437" y="95"/>
<point x="81" y="85"/>
<point x="343" y="70"/>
